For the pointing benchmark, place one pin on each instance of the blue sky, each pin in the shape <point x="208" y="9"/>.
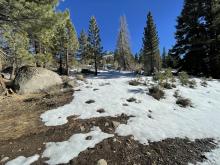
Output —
<point x="107" y="13"/>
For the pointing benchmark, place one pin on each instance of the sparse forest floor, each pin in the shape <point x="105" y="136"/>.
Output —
<point x="106" y="118"/>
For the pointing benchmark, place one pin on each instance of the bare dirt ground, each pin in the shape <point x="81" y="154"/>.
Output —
<point x="22" y="133"/>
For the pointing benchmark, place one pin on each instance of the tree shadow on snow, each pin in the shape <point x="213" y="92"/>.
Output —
<point x="113" y="75"/>
<point x="136" y="91"/>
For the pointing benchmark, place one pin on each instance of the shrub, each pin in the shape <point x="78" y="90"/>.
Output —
<point x="167" y="85"/>
<point x="192" y="84"/>
<point x="156" y="92"/>
<point x="164" y="78"/>
<point x="183" y="102"/>
<point x="134" y="82"/>
<point x="184" y="78"/>
<point x="158" y="77"/>
<point x="176" y="94"/>
<point x="204" y="83"/>
<point x="168" y="74"/>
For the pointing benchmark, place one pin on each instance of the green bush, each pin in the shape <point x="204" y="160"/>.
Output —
<point x="184" y="78"/>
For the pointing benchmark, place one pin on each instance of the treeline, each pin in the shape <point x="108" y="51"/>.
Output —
<point x="34" y="32"/>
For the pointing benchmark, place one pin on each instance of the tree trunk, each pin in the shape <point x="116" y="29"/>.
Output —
<point x="13" y="70"/>
<point x="61" y="67"/>
<point x="67" y="62"/>
<point x="96" y="67"/>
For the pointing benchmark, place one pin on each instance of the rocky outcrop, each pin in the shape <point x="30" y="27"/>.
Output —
<point x="34" y="80"/>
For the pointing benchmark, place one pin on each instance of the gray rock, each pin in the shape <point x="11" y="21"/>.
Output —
<point x="82" y="128"/>
<point x="102" y="162"/>
<point x="80" y="77"/>
<point x="4" y="159"/>
<point x="115" y="124"/>
<point x="35" y="80"/>
<point x="106" y="124"/>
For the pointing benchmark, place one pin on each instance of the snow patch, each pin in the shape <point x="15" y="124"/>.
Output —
<point x="168" y="119"/>
<point x="63" y="152"/>
<point x="21" y="160"/>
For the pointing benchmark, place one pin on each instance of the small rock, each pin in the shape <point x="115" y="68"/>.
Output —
<point x="95" y="89"/>
<point x="39" y="149"/>
<point x="115" y="124"/>
<point x="4" y="159"/>
<point x="106" y="124"/>
<point x="150" y="111"/>
<point x="132" y="137"/>
<point x="88" y="137"/>
<point x="114" y="140"/>
<point x="101" y="110"/>
<point x="90" y="101"/>
<point x="132" y="99"/>
<point x="149" y="116"/>
<point x="82" y="128"/>
<point x="125" y="105"/>
<point x="102" y="162"/>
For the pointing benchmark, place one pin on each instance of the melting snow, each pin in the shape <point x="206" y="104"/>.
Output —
<point x="213" y="157"/>
<point x="168" y="119"/>
<point x="63" y="152"/>
<point x="21" y="160"/>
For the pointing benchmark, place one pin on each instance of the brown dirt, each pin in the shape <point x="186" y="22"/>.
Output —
<point x="127" y="151"/>
<point x="23" y="133"/>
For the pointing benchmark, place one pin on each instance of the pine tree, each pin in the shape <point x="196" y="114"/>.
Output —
<point x="164" y="56"/>
<point x="95" y="47"/>
<point x="123" y="53"/>
<point x="151" y="53"/>
<point x="136" y="58"/>
<point x="191" y="35"/>
<point x="17" y="47"/>
<point x="71" y="43"/>
<point x="214" y="30"/>
<point x="83" y="47"/>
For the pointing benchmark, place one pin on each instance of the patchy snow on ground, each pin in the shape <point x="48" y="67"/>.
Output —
<point x="213" y="157"/>
<point x="168" y="119"/>
<point x="63" y="152"/>
<point x="21" y="160"/>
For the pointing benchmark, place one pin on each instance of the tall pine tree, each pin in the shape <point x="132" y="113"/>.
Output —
<point x="164" y="56"/>
<point x="215" y="38"/>
<point x="191" y="37"/>
<point x="123" y="53"/>
<point x="151" y="53"/>
<point x="95" y="47"/>
<point x="83" y="47"/>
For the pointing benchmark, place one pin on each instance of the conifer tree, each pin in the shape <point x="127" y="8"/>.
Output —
<point x="123" y="53"/>
<point x="191" y="37"/>
<point x="17" y="47"/>
<point x="94" y="40"/>
<point x="164" y="56"/>
<point x="83" y="47"/>
<point x="151" y="53"/>
<point x="215" y="39"/>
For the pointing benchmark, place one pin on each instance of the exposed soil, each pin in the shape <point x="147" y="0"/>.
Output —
<point x="127" y="151"/>
<point x="23" y="134"/>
